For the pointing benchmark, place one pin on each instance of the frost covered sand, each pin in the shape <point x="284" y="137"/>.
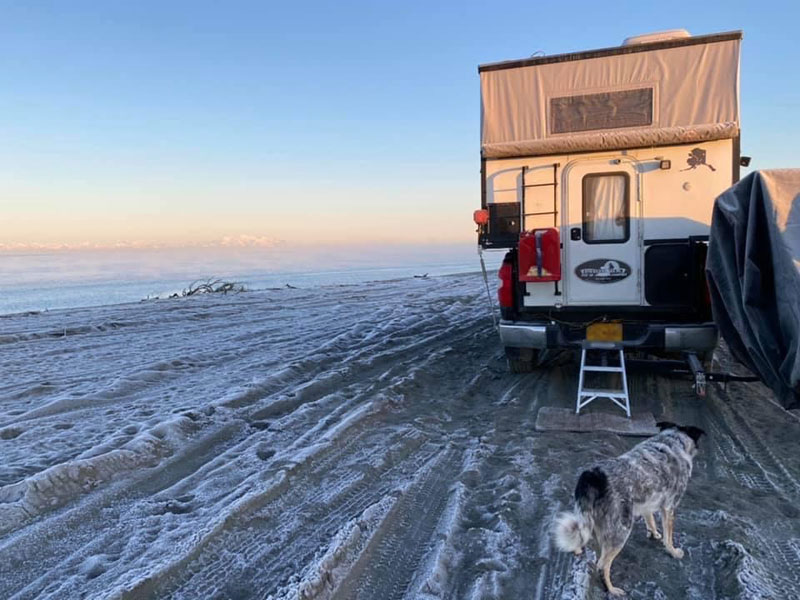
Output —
<point x="347" y="442"/>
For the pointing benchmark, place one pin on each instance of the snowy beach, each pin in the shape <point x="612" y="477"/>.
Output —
<point x="352" y="441"/>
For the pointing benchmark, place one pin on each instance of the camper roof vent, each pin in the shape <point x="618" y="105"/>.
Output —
<point x="658" y="36"/>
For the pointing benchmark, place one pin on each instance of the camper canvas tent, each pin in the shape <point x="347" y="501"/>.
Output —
<point x="752" y="269"/>
<point x="676" y="91"/>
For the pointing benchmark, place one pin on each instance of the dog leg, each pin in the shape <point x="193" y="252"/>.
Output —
<point x="607" y="556"/>
<point x="668" y="516"/>
<point x="650" y="523"/>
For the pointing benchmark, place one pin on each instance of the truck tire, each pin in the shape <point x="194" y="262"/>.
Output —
<point x="522" y="360"/>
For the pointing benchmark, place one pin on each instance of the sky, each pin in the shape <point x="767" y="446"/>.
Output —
<point x="180" y="123"/>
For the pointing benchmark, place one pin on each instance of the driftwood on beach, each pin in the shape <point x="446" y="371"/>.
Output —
<point x="210" y="286"/>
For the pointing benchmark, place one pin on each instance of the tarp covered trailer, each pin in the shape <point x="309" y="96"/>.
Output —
<point x="752" y="267"/>
<point x="599" y="172"/>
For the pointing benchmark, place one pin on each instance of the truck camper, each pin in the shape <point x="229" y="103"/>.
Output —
<point x="599" y="172"/>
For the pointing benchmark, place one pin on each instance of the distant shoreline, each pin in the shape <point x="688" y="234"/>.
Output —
<point x="39" y="282"/>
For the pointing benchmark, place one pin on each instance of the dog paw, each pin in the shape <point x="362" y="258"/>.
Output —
<point x="616" y="592"/>
<point x="654" y="535"/>
<point x="676" y="553"/>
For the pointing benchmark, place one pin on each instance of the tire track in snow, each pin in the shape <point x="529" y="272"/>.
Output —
<point x="304" y="546"/>
<point x="783" y="477"/>
<point x="504" y="502"/>
<point x="55" y="543"/>
<point x="154" y="337"/>
<point x="739" y="443"/>
<point x="337" y="459"/>
<point x="270" y="534"/>
<point x="144" y="387"/>
<point x="318" y="366"/>
<point x="388" y="564"/>
<point x="73" y="560"/>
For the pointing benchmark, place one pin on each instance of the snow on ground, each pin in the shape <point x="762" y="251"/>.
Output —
<point x="347" y="442"/>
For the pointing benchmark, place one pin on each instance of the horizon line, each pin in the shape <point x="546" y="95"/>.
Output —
<point x="240" y="242"/>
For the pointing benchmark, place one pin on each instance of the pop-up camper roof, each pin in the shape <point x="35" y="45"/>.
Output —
<point x="653" y="93"/>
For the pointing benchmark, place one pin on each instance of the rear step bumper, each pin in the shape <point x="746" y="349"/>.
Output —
<point x="696" y="337"/>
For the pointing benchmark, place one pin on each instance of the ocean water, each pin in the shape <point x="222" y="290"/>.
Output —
<point x="36" y="281"/>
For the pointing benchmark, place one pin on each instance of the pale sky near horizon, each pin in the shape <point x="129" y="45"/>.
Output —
<point x="185" y="122"/>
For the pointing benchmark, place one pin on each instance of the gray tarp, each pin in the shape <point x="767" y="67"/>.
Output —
<point x="752" y="269"/>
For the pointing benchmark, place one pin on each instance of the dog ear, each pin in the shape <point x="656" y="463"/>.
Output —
<point x="693" y="432"/>
<point x="662" y="425"/>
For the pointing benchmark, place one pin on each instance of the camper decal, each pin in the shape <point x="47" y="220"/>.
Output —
<point x="697" y="157"/>
<point x="602" y="270"/>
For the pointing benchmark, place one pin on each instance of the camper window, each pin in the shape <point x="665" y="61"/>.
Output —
<point x="607" y="110"/>
<point x="605" y="208"/>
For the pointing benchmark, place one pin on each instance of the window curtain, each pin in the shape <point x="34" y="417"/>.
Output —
<point x="605" y="211"/>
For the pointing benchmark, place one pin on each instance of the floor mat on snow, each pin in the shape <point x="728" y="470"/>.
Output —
<point x="552" y="418"/>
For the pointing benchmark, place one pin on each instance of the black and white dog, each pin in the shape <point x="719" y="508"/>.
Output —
<point x="651" y="476"/>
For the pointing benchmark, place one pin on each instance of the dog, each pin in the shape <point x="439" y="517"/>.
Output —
<point x="652" y="476"/>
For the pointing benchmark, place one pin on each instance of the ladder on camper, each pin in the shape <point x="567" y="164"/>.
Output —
<point x="523" y="210"/>
<point x="523" y="213"/>
<point x="617" y="396"/>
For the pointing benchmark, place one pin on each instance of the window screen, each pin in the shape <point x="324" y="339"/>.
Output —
<point x="605" y="208"/>
<point x="606" y="110"/>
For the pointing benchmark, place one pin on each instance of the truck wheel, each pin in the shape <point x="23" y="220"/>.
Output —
<point x="522" y="360"/>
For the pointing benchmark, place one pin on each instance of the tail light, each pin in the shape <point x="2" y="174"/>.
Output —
<point x="481" y="217"/>
<point x="505" y="293"/>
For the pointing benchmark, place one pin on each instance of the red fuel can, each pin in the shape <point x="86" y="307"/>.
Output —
<point x="540" y="255"/>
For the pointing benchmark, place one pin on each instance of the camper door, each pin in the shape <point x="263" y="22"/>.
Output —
<point x="602" y="232"/>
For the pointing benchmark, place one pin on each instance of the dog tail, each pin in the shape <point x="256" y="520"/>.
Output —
<point x="573" y="529"/>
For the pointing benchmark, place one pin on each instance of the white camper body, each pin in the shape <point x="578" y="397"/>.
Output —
<point x="663" y="204"/>
<point x="622" y="151"/>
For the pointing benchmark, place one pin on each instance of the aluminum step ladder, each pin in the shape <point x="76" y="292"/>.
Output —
<point x="586" y="395"/>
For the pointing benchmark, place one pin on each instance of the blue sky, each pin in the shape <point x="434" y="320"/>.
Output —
<point x="190" y="121"/>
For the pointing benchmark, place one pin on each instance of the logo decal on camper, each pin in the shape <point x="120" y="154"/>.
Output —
<point x="603" y="270"/>
<point x="697" y="157"/>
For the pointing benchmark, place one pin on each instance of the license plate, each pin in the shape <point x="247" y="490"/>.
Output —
<point x="604" y="332"/>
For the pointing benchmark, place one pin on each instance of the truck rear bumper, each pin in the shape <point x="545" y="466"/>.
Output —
<point x="697" y="337"/>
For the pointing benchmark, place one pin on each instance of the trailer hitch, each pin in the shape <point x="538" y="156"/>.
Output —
<point x="699" y="373"/>
<point x="689" y="366"/>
